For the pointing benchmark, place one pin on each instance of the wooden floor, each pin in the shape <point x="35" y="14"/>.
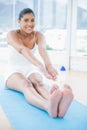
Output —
<point x="78" y="82"/>
<point x="4" y="122"/>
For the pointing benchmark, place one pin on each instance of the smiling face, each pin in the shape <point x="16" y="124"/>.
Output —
<point x="27" y="23"/>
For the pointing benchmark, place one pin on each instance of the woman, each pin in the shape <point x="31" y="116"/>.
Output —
<point x="23" y="72"/>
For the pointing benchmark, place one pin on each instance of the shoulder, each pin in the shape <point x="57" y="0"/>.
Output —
<point x="39" y="36"/>
<point x="13" y="33"/>
<point x="12" y="36"/>
<point x="38" y="33"/>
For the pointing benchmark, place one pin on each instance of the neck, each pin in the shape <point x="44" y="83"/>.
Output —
<point x="24" y="34"/>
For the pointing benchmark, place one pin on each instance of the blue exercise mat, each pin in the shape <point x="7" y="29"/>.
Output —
<point x="24" y="116"/>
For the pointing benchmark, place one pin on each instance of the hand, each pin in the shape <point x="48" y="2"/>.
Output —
<point x="52" y="71"/>
<point x="44" y="71"/>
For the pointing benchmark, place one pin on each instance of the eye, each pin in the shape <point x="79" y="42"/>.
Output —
<point x="25" y="20"/>
<point x="32" y="20"/>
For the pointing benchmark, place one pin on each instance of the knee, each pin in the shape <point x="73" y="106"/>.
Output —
<point x="26" y="83"/>
<point x="36" y="79"/>
<point x="38" y="83"/>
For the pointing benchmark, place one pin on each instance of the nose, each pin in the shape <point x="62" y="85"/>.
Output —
<point x="29" y="23"/>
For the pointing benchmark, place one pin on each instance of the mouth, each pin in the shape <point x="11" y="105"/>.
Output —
<point x="29" y="28"/>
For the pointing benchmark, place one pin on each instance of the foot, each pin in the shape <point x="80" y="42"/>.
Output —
<point x="55" y="96"/>
<point x="67" y="97"/>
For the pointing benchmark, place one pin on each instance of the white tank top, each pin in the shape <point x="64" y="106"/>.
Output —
<point x="16" y="59"/>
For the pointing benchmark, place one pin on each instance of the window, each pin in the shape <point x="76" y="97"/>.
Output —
<point x="81" y="39"/>
<point x="53" y="23"/>
<point x="6" y="14"/>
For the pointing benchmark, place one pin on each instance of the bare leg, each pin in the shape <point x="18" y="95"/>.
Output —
<point x="67" y="97"/>
<point x="55" y="93"/>
<point x="37" y="81"/>
<point x="18" y="82"/>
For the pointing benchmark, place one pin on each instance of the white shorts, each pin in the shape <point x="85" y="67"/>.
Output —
<point x="26" y="71"/>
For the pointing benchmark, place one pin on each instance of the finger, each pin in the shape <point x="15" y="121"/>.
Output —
<point x="52" y="73"/>
<point x="49" y="76"/>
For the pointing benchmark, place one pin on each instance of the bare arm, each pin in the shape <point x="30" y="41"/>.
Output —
<point x="42" y="50"/>
<point x="14" y="41"/>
